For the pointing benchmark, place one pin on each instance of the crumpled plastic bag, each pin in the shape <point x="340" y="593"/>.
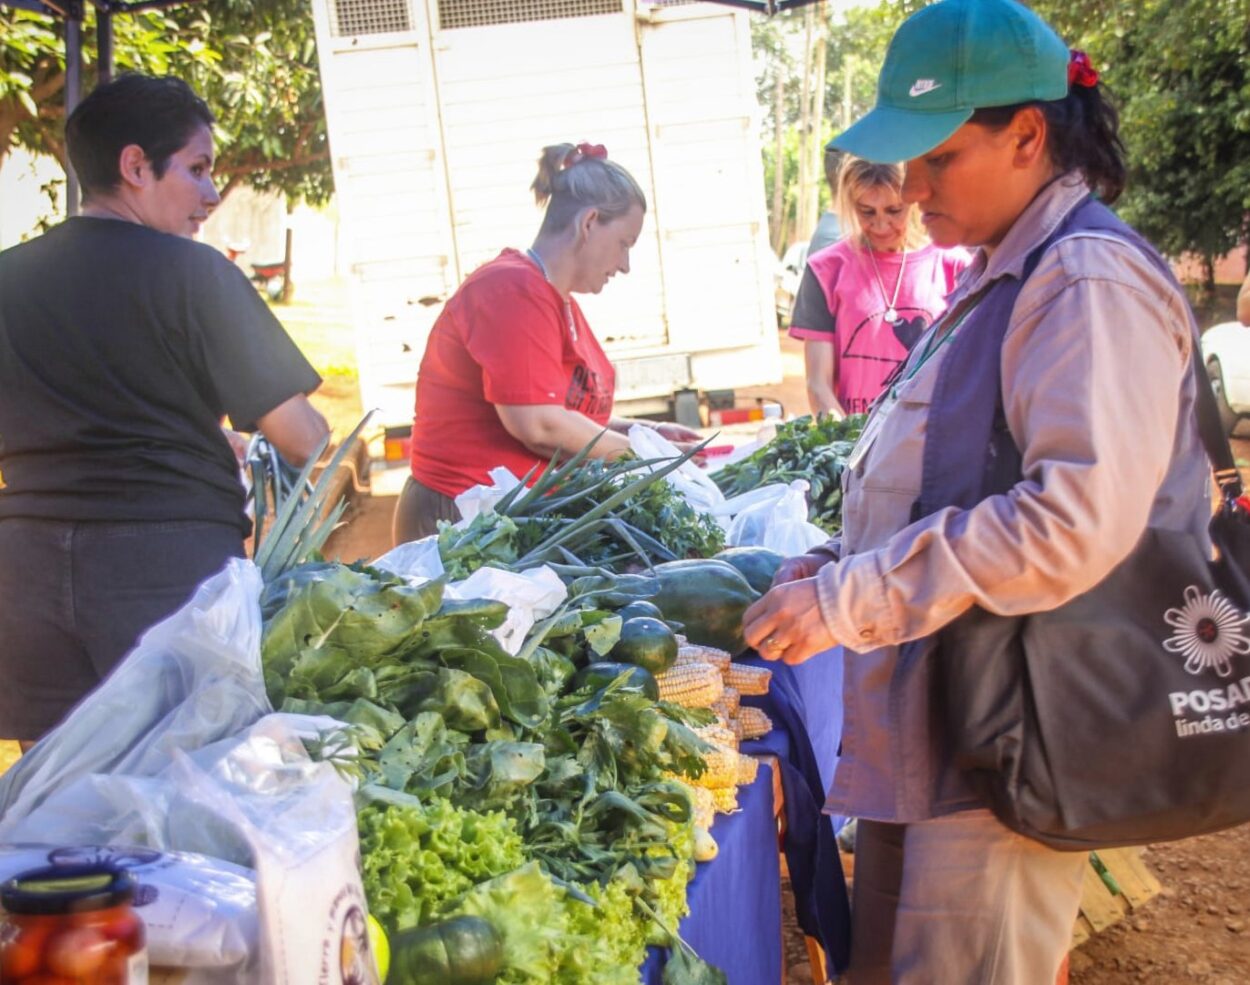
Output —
<point x="416" y="560"/>
<point x="481" y="499"/>
<point x="694" y="484"/>
<point x="531" y="595"/>
<point x="177" y="750"/>
<point x="778" y="522"/>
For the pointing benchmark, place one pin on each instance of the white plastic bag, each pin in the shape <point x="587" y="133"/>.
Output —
<point x="695" y="486"/>
<point x="779" y="523"/>
<point x="531" y="595"/>
<point x="481" y="499"/>
<point x="192" y="679"/>
<point x="416" y="560"/>
<point x="199" y="913"/>
<point x="176" y="751"/>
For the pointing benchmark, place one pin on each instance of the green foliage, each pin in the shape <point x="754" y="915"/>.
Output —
<point x="415" y="858"/>
<point x="254" y="62"/>
<point x="1178" y="72"/>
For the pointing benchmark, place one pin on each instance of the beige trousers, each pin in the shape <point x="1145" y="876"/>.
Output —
<point x="960" y="900"/>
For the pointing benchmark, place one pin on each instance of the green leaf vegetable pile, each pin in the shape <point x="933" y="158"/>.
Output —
<point x="486" y="786"/>
<point x="815" y="449"/>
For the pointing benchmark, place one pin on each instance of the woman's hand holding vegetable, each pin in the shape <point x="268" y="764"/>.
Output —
<point x="786" y="624"/>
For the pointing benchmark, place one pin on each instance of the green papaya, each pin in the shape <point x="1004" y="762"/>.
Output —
<point x="756" y="564"/>
<point x="708" y="597"/>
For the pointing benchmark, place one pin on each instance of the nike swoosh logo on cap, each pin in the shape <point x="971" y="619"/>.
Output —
<point x="921" y="86"/>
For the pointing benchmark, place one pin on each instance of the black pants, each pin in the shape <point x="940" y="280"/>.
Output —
<point x="418" y="511"/>
<point x="76" y="597"/>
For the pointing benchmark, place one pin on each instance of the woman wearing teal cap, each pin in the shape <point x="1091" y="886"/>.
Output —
<point x="1013" y="461"/>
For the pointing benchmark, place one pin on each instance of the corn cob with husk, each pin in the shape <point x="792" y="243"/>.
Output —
<point x="751" y="723"/>
<point x="748" y="769"/>
<point x="693" y="685"/>
<point x="747" y="679"/>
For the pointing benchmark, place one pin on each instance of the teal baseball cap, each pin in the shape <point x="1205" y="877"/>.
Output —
<point x="949" y="59"/>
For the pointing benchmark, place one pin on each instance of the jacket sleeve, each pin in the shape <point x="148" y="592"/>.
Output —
<point x="1092" y="367"/>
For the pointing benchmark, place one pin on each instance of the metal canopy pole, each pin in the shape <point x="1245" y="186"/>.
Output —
<point x="104" y="42"/>
<point x="73" y="91"/>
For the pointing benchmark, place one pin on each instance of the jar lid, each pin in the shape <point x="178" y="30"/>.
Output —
<point x="67" y="889"/>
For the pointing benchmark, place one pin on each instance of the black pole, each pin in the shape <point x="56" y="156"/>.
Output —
<point x="104" y="43"/>
<point x="73" y="93"/>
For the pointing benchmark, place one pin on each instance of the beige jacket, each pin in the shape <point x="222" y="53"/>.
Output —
<point x="1095" y="376"/>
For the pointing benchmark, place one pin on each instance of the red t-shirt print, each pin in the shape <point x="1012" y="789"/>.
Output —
<point x="503" y="338"/>
<point x="588" y="394"/>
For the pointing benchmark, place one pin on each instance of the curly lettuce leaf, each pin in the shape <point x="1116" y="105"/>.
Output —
<point x="416" y="858"/>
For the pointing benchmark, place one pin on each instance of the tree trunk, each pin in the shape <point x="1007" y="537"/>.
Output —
<point x="779" y="159"/>
<point x="802" y="221"/>
<point x="819" y="85"/>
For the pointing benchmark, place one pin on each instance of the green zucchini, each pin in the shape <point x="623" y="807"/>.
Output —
<point x="464" y="950"/>
<point x="646" y="642"/>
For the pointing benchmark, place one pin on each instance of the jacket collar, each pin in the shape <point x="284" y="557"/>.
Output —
<point x="1034" y="226"/>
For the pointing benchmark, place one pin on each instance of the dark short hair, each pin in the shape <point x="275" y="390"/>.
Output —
<point x="158" y="113"/>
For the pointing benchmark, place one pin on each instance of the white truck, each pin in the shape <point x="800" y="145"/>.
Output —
<point x="437" y="111"/>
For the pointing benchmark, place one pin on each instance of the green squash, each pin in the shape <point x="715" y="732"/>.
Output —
<point x="756" y="564"/>
<point x="599" y="675"/>
<point x="647" y="643"/>
<point x="464" y="950"/>
<point x="708" y="597"/>
<point x="639" y="607"/>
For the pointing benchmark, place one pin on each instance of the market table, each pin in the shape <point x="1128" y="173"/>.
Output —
<point x="805" y="705"/>
<point x="735" y="900"/>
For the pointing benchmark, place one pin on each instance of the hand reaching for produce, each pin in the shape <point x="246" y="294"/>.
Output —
<point x="798" y="568"/>
<point x="786" y="624"/>
<point x="678" y="433"/>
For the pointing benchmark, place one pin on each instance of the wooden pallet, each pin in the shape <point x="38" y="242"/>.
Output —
<point x="1116" y="883"/>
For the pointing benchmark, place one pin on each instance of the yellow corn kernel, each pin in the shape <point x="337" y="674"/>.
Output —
<point x="717" y="735"/>
<point x="692" y="685"/>
<point x="747" y="679"/>
<point x="726" y="800"/>
<point x="722" y="768"/>
<point x="729" y="702"/>
<point x="697" y="653"/>
<point x="753" y="722"/>
<point x="704" y="807"/>
<point x="748" y="768"/>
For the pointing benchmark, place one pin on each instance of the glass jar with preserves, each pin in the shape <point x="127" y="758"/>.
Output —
<point x="71" y="924"/>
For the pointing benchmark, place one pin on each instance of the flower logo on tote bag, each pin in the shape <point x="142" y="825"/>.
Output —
<point x="1207" y="631"/>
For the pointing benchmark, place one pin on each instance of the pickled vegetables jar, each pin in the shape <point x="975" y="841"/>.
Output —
<point x="71" y="924"/>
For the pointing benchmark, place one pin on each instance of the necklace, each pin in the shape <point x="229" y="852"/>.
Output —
<point x="568" y="306"/>
<point x="891" y="312"/>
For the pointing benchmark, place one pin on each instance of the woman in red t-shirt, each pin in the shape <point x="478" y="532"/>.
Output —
<point x="512" y="371"/>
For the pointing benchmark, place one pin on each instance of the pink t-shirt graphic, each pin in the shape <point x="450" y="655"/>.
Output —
<point x="842" y="300"/>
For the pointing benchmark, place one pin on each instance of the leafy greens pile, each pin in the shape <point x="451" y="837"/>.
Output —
<point x="486" y="785"/>
<point x="815" y="449"/>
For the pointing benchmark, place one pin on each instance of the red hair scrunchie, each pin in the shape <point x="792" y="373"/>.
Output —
<point x="1081" y="71"/>
<point x="583" y="151"/>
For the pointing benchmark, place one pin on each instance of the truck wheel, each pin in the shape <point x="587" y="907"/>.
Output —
<point x="1228" y="416"/>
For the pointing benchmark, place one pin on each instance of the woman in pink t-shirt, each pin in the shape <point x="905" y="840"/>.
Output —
<point x="864" y="301"/>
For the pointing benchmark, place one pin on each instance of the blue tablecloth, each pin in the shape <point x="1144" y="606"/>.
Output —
<point x="805" y="705"/>
<point x="735" y="900"/>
